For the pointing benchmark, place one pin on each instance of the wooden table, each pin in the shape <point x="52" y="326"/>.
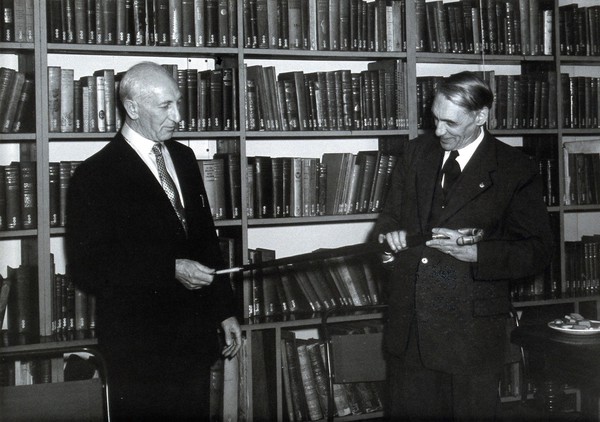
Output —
<point x="556" y="358"/>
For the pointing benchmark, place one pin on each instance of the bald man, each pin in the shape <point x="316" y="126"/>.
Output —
<point x="141" y="238"/>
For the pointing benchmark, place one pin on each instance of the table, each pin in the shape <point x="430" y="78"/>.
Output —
<point x="556" y="357"/>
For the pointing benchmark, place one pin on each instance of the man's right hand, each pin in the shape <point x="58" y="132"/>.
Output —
<point x="192" y="274"/>
<point x="396" y="240"/>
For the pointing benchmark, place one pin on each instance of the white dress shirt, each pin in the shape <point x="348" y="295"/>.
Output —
<point x="143" y="147"/>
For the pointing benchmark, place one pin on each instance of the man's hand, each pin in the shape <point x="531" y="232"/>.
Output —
<point x="396" y="240"/>
<point x="192" y="274"/>
<point x="233" y="337"/>
<point x="453" y="243"/>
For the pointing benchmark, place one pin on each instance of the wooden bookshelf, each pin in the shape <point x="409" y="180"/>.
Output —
<point x="38" y="244"/>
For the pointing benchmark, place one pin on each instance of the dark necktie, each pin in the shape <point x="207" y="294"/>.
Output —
<point x="451" y="171"/>
<point x="168" y="185"/>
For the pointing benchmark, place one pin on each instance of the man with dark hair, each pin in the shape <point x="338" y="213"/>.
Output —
<point x="141" y="238"/>
<point x="449" y="301"/>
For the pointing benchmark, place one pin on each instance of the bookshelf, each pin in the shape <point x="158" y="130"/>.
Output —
<point x="286" y="235"/>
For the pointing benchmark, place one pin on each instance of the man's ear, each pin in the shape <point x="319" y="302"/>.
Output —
<point x="482" y="116"/>
<point x="131" y="108"/>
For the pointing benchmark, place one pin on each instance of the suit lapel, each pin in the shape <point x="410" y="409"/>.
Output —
<point x="137" y="174"/>
<point x="474" y="179"/>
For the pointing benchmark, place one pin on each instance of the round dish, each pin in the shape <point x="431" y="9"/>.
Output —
<point x="568" y="328"/>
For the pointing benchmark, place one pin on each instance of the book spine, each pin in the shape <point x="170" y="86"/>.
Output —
<point x="28" y="195"/>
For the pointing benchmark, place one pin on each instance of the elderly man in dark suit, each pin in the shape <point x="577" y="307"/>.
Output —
<point x="449" y="299"/>
<point x="140" y="237"/>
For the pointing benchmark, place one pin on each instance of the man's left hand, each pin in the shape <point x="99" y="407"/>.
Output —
<point x="233" y="337"/>
<point x="448" y="244"/>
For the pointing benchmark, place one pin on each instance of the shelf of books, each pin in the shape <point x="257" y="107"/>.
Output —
<point x="297" y="111"/>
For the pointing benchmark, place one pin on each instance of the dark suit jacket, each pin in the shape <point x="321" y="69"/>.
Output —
<point x="460" y="308"/>
<point x="123" y="238"/>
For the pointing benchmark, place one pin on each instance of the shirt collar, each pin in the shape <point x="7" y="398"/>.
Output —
<point x="467" y="152"/>
<point x="136" y="140"/>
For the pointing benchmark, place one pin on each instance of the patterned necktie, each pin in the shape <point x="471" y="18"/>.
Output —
<point x="451" y="171"/>
<point x="168" y="185"/>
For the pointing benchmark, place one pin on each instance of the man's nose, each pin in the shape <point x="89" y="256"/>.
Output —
<point x="175" y="113"/>
<point x="440" y="129"/>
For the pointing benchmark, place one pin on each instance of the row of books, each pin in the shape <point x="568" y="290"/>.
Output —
<point x="16" y="22"/>
<point x="88" y="104"/>
<point x="336" y="184"/>
<point x="327" y="100"/>
<point x="512" y="27"/>
<point x="581" y="101"/>
<point x="310" y="287"/>
<point x="344" y="25"/>
<point x="582" y="260"/>
<point x="73" y="312"/>
<point x="306" y="384"/>
<point x="186" y="23"/>
<point x="526" y="101"/>
<point x="25" y="372"/>
<point x="18" y="196"/>
<point x="582" y="172"/>
<point x="68" y="367"/>
<point x="579" y="29"/>
<point x="584" y="178"/>
<point x="19" y="305"/>
<point x="16" y="101"/>
<point x="91" y="103"/>
<point x="544" y="151"/>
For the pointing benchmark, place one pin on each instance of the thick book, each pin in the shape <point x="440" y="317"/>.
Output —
<point x="3" y="221"/>
<point x="12" y="174"/>
<point x="110" y="101"/>
<point x="5" y="284"/>
<point x="66" y="100"/>
<point x="272" y="304"/>
<point x="213" y="176"/>
<point x="297" y="394"/>
<point x="232" y="183"/>
<point x="7" y="118"/>
<point x="54" y="193"/>
<point x="28" y="191"/>
<point x="54" y="79"/>
<point x="308" y="382"/>
<point x="316" y="356"/>
<point x="263" y="193"/>
<point x="24" y="118"/>
<point x="23" y="313"/>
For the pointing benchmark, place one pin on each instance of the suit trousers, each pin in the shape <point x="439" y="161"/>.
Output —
<point x="418" y="393"/>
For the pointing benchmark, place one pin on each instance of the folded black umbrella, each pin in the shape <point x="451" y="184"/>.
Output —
<point x="322" y="254"/>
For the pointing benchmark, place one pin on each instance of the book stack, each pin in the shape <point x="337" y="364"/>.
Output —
<point x="579" y="29"/>
<point x="582" y="172"/>
<point x="16" y="101"/>
<point x="17" y="21"/>
<point x="581" y="101"/>
<point x="373" y="99"/>
<point x="176" y="23"/>
<point x="510" y="27"/>
<point x="344" y="25"/>
<point x="334" y="283"/>
<point x="336" y="184"/>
